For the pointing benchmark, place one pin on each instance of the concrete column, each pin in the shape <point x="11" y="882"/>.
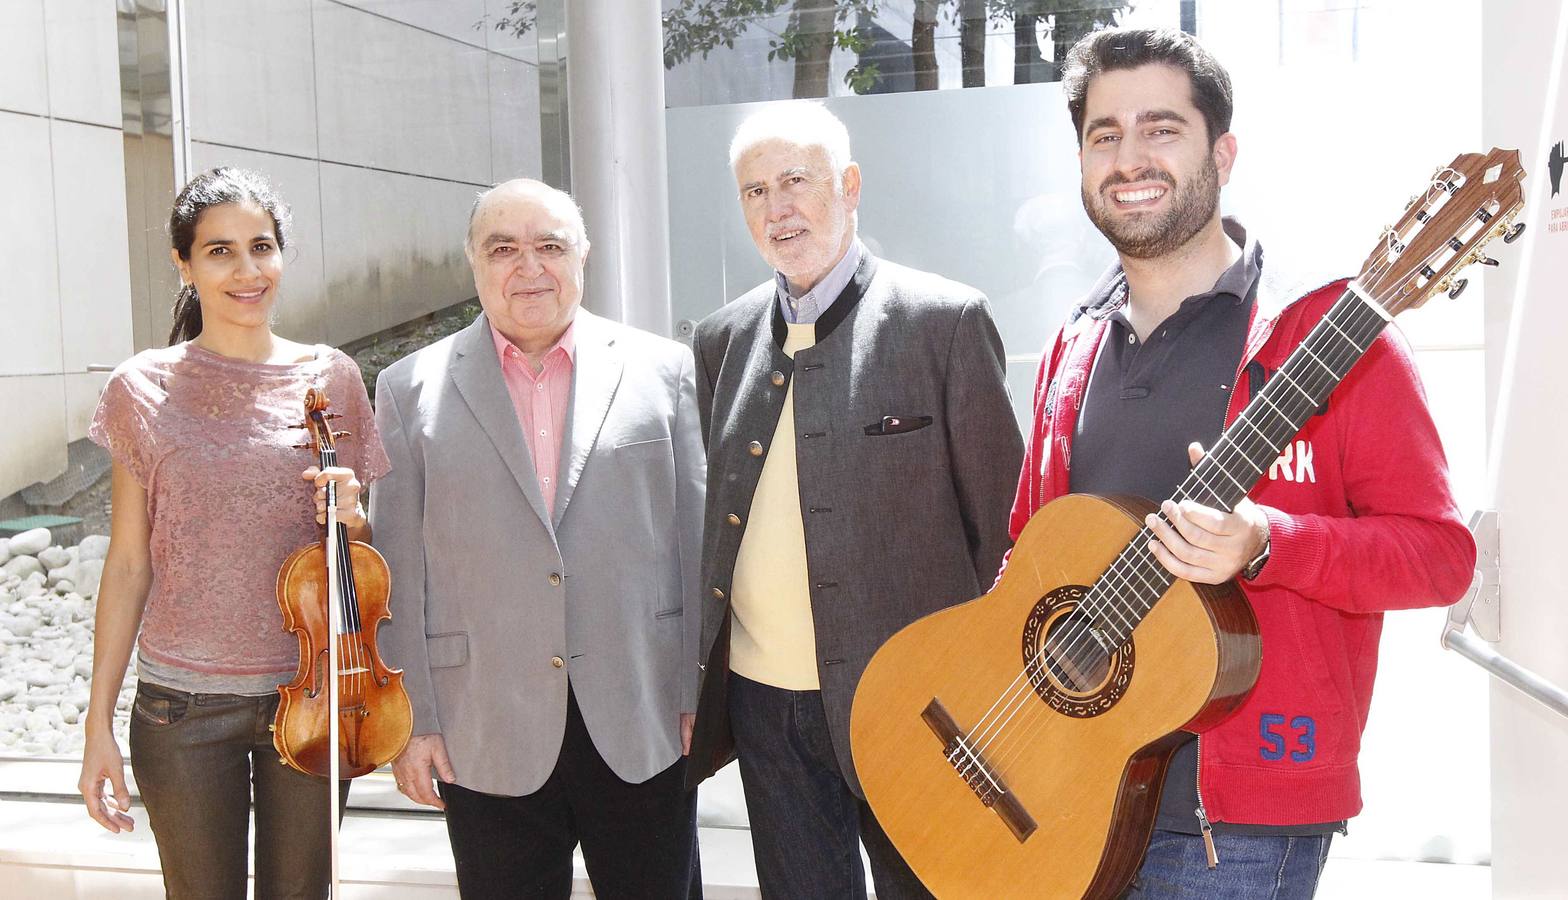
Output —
<point x="617" y="157"/>
<point x="1525" y="49"/>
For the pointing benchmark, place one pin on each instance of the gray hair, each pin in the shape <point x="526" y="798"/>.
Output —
<point x="802" y="122"/>
<point x="575" y="211"/>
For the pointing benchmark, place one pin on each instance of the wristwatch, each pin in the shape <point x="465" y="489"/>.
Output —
<point x="1251" y="569"/>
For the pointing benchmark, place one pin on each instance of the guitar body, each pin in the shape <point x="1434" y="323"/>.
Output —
<point x="1082" y="769"/>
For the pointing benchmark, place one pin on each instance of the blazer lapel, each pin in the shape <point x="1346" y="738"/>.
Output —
<point x="596" y="374"/>
<point x="476" y="372"/>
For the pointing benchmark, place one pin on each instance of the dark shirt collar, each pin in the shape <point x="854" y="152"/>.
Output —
<point x="1238" y="282"/>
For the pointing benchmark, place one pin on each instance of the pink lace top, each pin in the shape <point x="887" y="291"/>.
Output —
<point x="211" y="439"/>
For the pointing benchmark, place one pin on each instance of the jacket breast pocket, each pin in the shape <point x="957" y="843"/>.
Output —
<point x="888" y="426"/>
<point x="658" y="446"/>
<point x="448" y="650"/>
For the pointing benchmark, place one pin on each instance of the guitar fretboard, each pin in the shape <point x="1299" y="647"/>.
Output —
<point x="1121" y="597"/>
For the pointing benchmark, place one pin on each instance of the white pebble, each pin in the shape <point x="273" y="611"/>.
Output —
<point x="31" y="542"/>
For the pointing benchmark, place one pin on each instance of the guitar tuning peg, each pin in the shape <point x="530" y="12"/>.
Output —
<point x="304" y="447"/>
<point x="341" y="434"/>
<point x="1513" y="233"/>
<point x="1458" y="288"/>
<point x="333" y="415"/>
<point x="1488" y="261"/>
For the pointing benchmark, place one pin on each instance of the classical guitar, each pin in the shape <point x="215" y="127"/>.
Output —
<point x="1015" y="745"/>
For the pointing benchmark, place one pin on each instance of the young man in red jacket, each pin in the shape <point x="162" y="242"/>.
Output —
<point x="1355" y="517"/>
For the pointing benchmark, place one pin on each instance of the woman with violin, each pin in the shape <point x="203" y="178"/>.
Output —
<point x="210" y="495"/>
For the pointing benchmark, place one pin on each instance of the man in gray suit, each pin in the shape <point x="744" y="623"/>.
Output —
<point x="862" y="455"/>
<point x="542" y="523"/>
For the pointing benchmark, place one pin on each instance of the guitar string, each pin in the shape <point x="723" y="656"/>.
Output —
<point x="1228" y="444"/>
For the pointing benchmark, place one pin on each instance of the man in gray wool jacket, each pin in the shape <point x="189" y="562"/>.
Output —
<point x="862" y="455"/>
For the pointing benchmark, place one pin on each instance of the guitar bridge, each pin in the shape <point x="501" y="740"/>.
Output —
<point x="971" y="765"/>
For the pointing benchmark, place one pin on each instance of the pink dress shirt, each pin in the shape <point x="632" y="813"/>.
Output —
<point x="540" y="399"/>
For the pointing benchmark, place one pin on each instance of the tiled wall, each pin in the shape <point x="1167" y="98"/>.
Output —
<point x="377" y="120"/>
<point x="65" y="294"/>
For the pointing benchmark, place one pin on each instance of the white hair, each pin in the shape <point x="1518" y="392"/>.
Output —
<point x="802" y="122"/>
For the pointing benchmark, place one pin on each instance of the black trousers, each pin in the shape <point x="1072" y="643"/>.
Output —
<point x="639" y="840"/>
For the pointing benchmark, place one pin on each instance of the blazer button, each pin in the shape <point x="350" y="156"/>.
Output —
<point x="718" y="594"/>
<point x="777" y="378"/>
<point x="555" y="579"/>
<point x="557" y="661"/>
<point x="732" y="519"/>
<point x="754" y="448"/>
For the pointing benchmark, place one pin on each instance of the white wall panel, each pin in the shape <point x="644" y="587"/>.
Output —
<point x="84" y="61"/>
<point x="251" y="72"/>
<point x="35" y="430"/>
<point x="514" y="119"/>
<point x="394" y="97"/>
<point x="301" y="313"/>
<point x="460" y="20"/>
<point x="394" y="248"/>
<point x="95" y="274"/>
<point x="30" y="289"/>
<point x="82" y="390"/>
<point x="507" y="42"/>
<point x="24" y="86"/>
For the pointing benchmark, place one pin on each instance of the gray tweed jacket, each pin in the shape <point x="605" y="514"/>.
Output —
<point x="908" y="455"/>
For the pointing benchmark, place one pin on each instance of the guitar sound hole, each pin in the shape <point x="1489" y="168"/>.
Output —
<point x="1066" y="666"/>
<point x="1072" y="656"/>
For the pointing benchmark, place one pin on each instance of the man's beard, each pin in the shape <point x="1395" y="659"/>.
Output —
<point x="1149" y="237"/>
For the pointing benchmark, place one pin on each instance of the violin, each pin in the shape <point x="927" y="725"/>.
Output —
<point x="333" y="594"/>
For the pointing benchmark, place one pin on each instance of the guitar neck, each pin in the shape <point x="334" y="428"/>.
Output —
<point x="1243" y="453"/>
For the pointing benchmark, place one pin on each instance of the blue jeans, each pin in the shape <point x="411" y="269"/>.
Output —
<point x="1251" y="867"/>
<point x="806" y="824"/>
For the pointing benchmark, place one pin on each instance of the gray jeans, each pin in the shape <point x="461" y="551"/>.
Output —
<point x="199" y="759"/>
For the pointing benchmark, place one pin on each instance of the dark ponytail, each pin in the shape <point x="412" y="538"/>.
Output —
<point x="215" y="188"/>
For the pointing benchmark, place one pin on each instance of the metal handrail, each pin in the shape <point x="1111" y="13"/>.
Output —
<point x="1486" y="588"/>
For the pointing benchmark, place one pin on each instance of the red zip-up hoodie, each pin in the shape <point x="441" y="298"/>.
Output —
<point x="1361" y="520"/>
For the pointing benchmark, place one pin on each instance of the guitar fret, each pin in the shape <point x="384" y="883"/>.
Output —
<point x="1286" y="419"/>
<point x="1292" y="382"/>
<point x="1329" y="321"/>
<point x="1270" y="444"/>
<point x="1308" y="351"/>
<point x="1227" y="474"/>
<point x="1212" y="492"/>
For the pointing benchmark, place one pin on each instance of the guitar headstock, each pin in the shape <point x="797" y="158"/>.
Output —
<point x="1467" y="204"/>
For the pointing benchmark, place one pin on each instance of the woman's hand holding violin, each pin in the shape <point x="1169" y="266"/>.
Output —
<point x="351" y="514"/>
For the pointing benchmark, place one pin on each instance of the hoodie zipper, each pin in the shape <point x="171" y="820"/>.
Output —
<point x="1203" y="815"/>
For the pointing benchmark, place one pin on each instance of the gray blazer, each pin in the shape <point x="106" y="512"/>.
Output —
<point x="908" y="455"/>
<point x="495" y="604"/>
